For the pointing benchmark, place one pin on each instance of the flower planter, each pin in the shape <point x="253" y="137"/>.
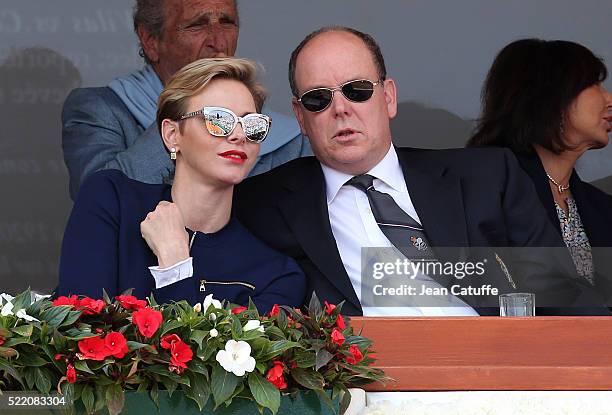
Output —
<point x="306" y="403"/>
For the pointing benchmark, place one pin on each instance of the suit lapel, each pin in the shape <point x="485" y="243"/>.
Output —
<point x="305" y="210"/>
<point x="437" y="198"/>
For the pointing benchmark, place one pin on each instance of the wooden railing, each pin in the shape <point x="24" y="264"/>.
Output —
<point x="491" y="353"/>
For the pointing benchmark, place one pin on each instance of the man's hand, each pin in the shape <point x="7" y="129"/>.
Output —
<point x="164" y="231"/>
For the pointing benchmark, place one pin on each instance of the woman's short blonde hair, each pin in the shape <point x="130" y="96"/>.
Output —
<point x="193" y="78"/>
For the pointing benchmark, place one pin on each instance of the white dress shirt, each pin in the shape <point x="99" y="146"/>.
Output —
<point x="353" y="226"/>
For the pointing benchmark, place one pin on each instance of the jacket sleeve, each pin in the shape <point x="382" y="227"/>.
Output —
<point x="89" y="258"/>
<point x="94" y="138"/>
<point x="286" y="287"/>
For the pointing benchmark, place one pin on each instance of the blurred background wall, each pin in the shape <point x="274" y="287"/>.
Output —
<point x="438" y="51"/>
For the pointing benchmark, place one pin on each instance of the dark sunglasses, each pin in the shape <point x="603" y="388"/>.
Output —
<point x="318" y="99"/>
<point x="220" y="122"/>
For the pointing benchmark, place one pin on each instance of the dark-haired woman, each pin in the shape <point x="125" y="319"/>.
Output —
<point x="546" y="101"/>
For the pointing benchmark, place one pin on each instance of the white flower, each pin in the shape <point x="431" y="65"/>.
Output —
<point x="37" y="297"/>
<point x="22" y="314"/>
<point x="208" y="301"/>
<point x="214" y="333"/>
<point x="213" y="316"/>
<point x="253" y="325"/>
<point x="6" y="297"/>
<point x="236" y="357"/>
<point x="7" y="309"/>
<point x="197" y="307"/>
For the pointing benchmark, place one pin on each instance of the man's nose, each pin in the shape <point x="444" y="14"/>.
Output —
<point x="340" y="105"/>
<point x="215" y="39"/>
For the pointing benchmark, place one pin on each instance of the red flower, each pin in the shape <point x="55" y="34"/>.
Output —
<point x="180" y="354"/>
<point x="356" y="355"/>
<point x="129" y="302"/>
<point x="147" y="320"/>
<point x="57" y="357"/>
<point x="329" y="308"/>
<point x="116" y="344"/>
<point x="73" y="300"/>
<point x="167" y="341"/>
<point x="91" y="306"/>
<point x="340" y="322"/>
<point x="93" y="348"/>
<point x="1" y="340"/>
<point x="337" y="337"/>
<point x="70" y="374"/>
<point x="239" y="310"/>
<point x="274" y="311"/>
<point x="275" y="375"/>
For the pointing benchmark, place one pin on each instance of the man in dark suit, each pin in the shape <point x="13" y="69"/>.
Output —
<point x="306" y="209"/>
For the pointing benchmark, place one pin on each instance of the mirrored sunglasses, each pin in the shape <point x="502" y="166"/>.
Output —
<point x="220" y="122"/>
<point x="318" y="99"/>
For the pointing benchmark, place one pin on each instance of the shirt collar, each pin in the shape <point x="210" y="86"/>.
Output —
<point x="387" y="170"/>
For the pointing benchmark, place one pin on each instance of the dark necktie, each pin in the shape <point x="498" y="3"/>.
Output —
<point x="405" y="233"/>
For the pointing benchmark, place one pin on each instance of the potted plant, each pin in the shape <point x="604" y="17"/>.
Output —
<point x="125" y="353"/>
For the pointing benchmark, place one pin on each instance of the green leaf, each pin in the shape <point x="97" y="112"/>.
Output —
<point x="87" y="397"/>
<point x="345" y="401"/>
<point x="197" y="366"/>
<point x="135" y="345"/>
<point x="277" y="347"/>
<point x="29" y="374"/>
<point x="105" y="296"/>
<point x="305" y="359"/>
<point x="9" y="369"/>
<point x="323" y="358"/>
<point x="82" y="366"/>
<point x="14" y="341"/>
<point x="169" y="385"/>
<point x="115" y="399"/>
<point x="170" y="325"/>
<point x="31" y="360"/>
<point x="199" y="391"/>
<point x="78" y="334"/>
<point x="22" y="300"/>
<point x="282" y="320"/>
<point x="198" y="336"/>
<point x="72" y="317"/>
<point x="59" y="340"/>
<point x="55" y="316"/>
<point x="222" y="385"/>
<point x="274" y="333"/>
<point x="42" y="381"/>
<point x="308" y="378"/>
<point x="264" y="392"/>
<point x="314" y="307"/>
<point x="25" y="330"/>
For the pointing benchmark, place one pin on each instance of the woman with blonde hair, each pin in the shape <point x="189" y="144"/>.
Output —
<point x="181" y="241"/>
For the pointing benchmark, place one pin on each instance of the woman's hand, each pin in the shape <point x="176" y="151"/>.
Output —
<point x="164" y="231"/>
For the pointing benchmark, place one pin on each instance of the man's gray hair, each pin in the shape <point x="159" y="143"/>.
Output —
<point x="150" y="14"/>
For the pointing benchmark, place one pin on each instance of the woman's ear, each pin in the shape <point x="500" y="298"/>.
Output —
<point x="171" y="134"/>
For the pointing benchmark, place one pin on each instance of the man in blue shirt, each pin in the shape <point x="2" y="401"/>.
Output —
<point x="113" y="127"/>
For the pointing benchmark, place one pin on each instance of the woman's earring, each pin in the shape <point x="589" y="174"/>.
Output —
<point x="173" y="153"/>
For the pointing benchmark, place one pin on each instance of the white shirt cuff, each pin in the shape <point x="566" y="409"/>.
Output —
<point x="172" y="274"/>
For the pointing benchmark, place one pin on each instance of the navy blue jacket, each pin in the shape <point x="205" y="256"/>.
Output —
<point x="103" y="248"/>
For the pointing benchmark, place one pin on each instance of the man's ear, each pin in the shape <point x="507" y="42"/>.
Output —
<point x="299" y="116"/>
<point x="171" y="134"/>
<point x="390" y="97"/>
<point x="149" y="43"/>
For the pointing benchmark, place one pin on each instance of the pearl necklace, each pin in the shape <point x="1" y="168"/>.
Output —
<point x="561" y="188"/>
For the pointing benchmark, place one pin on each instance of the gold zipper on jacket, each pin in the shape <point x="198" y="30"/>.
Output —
<point x="245" y="284"/>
